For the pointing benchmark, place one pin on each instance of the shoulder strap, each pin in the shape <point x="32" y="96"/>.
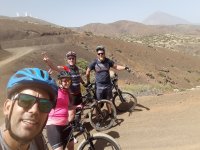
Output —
<point x="100" y="68"/>
<point x="41" y="142"/>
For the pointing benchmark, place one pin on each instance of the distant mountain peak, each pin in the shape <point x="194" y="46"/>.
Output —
<point x="162" y="18"/>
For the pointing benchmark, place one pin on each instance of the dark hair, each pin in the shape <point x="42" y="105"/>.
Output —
<point x="100" y="47"/>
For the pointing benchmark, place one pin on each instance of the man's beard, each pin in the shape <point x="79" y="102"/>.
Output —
<point x="101" y="58"/>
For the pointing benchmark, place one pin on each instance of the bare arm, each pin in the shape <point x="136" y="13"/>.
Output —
<point x="81" y="80"/>
<point x="50" y="64"/>
<point x="119" y="67"/>
<point x="88" y="75"/>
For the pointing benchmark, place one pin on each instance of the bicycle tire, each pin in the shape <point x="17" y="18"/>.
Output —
<point x="99" y="122"/>
<point x="101" y="141"/>
<point x="129" y="103"/>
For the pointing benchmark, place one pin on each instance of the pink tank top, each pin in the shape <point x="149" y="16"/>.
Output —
<point x="59" y="115"/>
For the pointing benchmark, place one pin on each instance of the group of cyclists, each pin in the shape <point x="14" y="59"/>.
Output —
<point x="35" y="100"/>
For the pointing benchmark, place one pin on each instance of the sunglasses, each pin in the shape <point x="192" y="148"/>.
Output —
<point x="100" y="53"/>
<point x="66" y="80"/>
<point x="71" y="58"/>
<point x="27" y="101"/>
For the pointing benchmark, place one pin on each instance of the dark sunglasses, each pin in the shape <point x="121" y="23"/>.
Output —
<point x="100" y="53"/>
<point x="70" y="58"/>
<point x="27" y="101"/>
<point x="66" y="80"/>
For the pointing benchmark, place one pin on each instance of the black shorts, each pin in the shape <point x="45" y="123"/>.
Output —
<point x="57" y="136"/>
<point x="75" y="99"/>
<point x="104" y="93"/>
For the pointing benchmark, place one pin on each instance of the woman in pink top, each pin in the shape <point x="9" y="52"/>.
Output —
<point x="58" y="117"/>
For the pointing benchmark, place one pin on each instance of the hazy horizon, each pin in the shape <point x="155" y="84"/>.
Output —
<point x="78" y="13"/>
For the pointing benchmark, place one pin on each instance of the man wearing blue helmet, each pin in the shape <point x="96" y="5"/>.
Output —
<point x="31" y="94"/>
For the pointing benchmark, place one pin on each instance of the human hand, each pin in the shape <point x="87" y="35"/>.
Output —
<point x="128" y="69"/>
<point x="45" y="57"/>
<point x="50" y="71"/>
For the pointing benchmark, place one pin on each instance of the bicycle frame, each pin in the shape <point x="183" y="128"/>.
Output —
<point x="117" y="90"/>
<point x="77" y="125"/>
<point x="89" y="97"/>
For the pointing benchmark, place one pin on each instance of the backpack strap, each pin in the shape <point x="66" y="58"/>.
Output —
<point x="41" y="142"/>
<point x="100" y="69"/>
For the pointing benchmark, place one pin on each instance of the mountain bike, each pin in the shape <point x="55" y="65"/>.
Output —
<point x="123" y="101"/>
<point x="99" y="116"/>
<point x="96" y="141"/>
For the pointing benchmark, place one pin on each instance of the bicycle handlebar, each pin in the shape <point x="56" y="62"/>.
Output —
<point x="90" y="86"/>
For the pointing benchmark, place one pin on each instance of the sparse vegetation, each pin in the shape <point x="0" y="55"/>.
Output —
<point x="118" y="50"/>
<point x="187" y="80"/>
<point x="146" y="89"/>
<point x="150" y="75"/>
<point x="175" y="42"/>
<point x="82" y="64"/>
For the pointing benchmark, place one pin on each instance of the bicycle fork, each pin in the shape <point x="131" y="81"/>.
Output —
<point x="120" y="96"/>
<point x="89" y="139"/>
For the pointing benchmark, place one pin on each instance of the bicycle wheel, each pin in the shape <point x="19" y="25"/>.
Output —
<point x="99" y="141"/>
<point x="99" y="116"/>
<point x="127" y="103"/>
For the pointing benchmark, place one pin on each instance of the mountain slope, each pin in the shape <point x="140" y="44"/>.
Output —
<point x="149" y="65"/>
<point x="29" y="19"/>
<point x="161" y="18"/>
<point x="3" y="54"/>
<point x="124" y="27"/>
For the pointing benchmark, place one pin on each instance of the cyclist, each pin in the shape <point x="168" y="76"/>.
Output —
<point x="75" y="89"/>
<point x="31" y="94"/>
<point x="101" y="66"/>
<point x="58" y="118"/>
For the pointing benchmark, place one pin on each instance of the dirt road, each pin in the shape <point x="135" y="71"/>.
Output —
<point x="16" y="53"/>
<point x="172" y="123"/>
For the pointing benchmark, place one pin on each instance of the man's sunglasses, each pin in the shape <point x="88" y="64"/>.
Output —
<point x="100" y="53"/>
<point x="71" y="58"/>
<point x="27" y="101"/>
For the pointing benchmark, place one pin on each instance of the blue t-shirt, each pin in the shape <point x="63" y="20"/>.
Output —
<point x="101" y="69"/>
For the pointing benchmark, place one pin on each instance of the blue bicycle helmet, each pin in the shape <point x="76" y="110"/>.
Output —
<point x="34" y="78"/>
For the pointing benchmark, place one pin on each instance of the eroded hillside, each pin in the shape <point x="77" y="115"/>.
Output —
<point x="149" y="65"/>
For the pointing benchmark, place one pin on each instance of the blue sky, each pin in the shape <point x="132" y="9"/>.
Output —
<point x="75" y="13"/>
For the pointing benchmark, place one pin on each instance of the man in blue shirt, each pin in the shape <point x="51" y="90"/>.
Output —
<point x="101" y="65"/>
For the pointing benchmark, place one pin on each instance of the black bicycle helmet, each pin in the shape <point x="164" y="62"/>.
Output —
<point x="34" y="78"/>
<point x="71" y="53"/>
<point x="100" y="47"/>
<point x="64" y="74"/>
